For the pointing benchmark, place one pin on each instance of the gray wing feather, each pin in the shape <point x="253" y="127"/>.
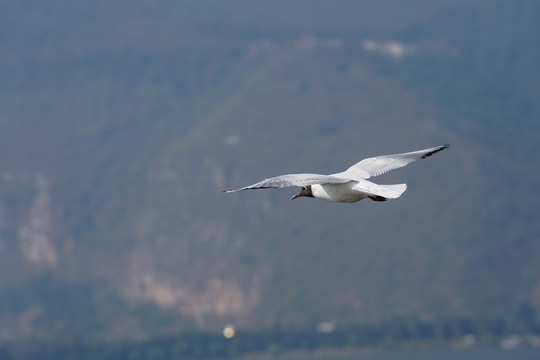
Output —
<point x="381" y="164"/>
<point x="293" y="180"/>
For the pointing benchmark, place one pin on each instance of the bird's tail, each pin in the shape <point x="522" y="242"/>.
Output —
<point x="391" y="191"/>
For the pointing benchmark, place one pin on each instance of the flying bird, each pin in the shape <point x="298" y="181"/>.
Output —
<point x="350" y="185"/>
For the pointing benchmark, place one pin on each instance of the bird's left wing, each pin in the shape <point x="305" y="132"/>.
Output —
<point x="294" y="180"/>
<point x="381" y="164"/>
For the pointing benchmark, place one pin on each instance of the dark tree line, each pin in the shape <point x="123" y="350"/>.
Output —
<point x="384" y="333"/>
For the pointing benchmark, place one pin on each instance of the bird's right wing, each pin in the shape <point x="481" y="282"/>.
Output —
<point x="293" y="180"/>
<point x="381" y="164"/>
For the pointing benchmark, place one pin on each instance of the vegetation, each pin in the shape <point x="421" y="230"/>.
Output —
<point x="387" y="333"/>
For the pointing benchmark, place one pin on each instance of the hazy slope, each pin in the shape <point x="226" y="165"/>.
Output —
<point x="120" y="126"/>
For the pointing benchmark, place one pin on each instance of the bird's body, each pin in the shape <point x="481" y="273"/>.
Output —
<point x="354" y="191"/>
<point x="350" y="185"/>
<point x="337" y="192"/>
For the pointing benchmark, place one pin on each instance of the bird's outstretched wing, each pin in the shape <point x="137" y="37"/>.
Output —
<point x="294" y="180"/>
<point x="381" y="164"/>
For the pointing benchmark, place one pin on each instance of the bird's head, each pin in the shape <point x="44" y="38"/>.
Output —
<point x="305" y="191"/>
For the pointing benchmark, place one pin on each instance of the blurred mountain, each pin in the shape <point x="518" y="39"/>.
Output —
<point x="122" y="122"/>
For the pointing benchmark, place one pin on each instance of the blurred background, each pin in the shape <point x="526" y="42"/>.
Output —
<point x="121" y="122"/>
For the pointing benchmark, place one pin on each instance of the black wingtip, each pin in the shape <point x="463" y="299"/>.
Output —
<point x="441" y="148"/>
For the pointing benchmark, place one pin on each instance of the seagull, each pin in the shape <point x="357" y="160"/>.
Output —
<point x="350" y="185"/>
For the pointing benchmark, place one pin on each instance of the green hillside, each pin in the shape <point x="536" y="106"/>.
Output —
<point x="121" y="123"/>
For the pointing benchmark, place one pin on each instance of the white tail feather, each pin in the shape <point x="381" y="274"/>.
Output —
<point x="392" y="191"/>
